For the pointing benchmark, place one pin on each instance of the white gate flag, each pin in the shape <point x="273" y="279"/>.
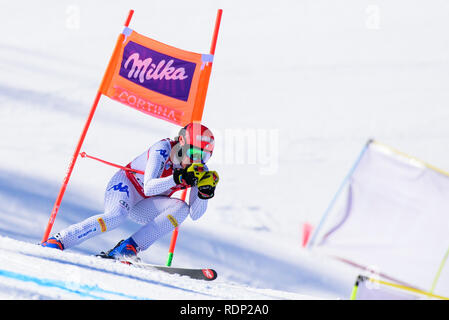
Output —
<point x="391" y="215"/>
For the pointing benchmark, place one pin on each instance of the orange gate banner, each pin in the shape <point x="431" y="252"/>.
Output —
<point x="158" y="79"/>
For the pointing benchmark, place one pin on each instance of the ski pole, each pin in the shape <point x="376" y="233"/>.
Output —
<point x="174" y="236"/>
<point x="171" y="249"/>
<point x="85" y="155"/>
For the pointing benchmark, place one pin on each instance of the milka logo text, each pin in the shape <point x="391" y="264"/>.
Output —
<point x="146" y="70"/>
<point x="157" y="71"/>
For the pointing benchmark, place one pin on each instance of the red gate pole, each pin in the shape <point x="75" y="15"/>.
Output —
<point x="184" y="192"/>
<point x="79" y="145"/>
<point x="217" y="28"/>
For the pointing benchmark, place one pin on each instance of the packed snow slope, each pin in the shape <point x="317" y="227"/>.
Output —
<point x="28" y="272"/>
<point x="296" y="89"/>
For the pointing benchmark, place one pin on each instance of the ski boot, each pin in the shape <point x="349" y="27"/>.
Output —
<point x="125" y="251"/>
<point x="53" y="243"/>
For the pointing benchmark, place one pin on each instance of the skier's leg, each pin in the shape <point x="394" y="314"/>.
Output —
<point x="166" y="213"/>
<point x="120" y="197"/>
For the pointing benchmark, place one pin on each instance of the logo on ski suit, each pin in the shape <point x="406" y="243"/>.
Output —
<point x="163" y="153"/>
<point x="121" y="188"/>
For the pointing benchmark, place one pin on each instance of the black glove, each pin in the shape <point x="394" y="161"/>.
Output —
<point x="206" y="192"/>
<point x="189" y="175"/>
<point x="206" y="185"/>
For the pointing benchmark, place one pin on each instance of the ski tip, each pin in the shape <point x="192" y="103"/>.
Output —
<point x="209" y="274"/>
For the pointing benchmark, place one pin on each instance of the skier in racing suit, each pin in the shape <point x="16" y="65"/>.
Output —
<point x="169" y="166"/>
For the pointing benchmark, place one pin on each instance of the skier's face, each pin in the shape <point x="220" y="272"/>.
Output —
<point x="178" y="154"/>
<point x="187" y="154"/>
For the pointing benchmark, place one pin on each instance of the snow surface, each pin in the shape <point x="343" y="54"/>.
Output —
<point x="309" y="80"/>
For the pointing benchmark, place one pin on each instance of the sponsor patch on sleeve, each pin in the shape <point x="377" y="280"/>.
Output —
<point x="172" y="220"/>
<point x="102" y="224"/>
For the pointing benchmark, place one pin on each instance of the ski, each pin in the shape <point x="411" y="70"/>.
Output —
<point x="198" y="274"/>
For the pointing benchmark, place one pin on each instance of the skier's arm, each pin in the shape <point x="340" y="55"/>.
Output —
<point x="197" y="205"/>
<point x="153" y="185"/>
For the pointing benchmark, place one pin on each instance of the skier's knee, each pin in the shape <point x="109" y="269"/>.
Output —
<point x="179" y="214"/>
<point x="115" y="217"/>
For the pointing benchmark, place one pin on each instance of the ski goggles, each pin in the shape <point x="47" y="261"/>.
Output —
<point x="198" y="155"/>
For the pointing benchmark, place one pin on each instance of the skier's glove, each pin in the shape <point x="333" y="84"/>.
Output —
<point x="206" y="185"/>
<point x="189" y="175"/>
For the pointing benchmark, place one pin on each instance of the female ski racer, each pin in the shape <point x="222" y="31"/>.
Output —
<point x="169" y="166"/>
